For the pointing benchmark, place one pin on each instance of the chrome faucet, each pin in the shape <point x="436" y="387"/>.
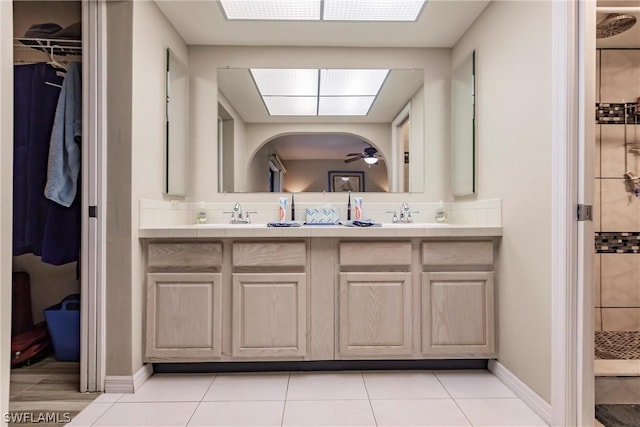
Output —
<point x="405" y="214"/>
<point x="238" y="216"/>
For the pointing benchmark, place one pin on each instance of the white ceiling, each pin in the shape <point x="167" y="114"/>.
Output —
<point x="441" y="24"/>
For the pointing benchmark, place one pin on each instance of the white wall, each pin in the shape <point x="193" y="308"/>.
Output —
<point x="6" y="189"/>
<point x="204" y="62"/>
<point x="139" y="35"/>
<point x="513" y="44"/>
<point x="152" y="35"/>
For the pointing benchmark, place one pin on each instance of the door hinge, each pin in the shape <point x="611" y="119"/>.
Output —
<point x="93" y="211"/>
<point x="585" y="212"/>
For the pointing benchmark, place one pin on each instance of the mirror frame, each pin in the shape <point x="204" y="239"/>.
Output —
<point x="176" y="126"/>
<point x="463" y="128"/>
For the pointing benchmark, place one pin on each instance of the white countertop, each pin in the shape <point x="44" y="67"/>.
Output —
<point x="262" y="231"/>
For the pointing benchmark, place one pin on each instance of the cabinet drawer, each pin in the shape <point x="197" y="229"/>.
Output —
<point x="275" y="254"/>
<point x="375" y="253"/>
<point x="185" y="255"/>
<point x="457" y="253"/>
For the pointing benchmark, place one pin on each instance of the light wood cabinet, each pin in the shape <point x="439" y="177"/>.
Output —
<point x="269" y="300"/>
<point x="252" y="299"/>
<point x="458" y="299"/>
<point x="374" y="300"/>
<point x="183" y="316"/>
<point x="269" y="315"/>
<point x="184" y="301"/>
<point x="375" y="314"/>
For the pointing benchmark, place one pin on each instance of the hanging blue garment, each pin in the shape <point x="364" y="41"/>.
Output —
<point x="40" y="226"/>
<point x="64" y="149"/>
<point x="34" y="108"/>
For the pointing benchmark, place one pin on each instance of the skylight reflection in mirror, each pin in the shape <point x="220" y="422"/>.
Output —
<point x="335" y="92"/>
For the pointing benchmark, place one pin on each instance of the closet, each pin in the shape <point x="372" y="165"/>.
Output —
<point x="47" y="188"/>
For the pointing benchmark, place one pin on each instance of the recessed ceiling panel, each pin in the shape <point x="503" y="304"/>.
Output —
<point x="351" y="82"/>
<point x="286" y="82"/>
<point x="274" y="10"/>
<point x="291" y="105"/>
<point x="372" y="10"/>
<point x="345" y="105"/>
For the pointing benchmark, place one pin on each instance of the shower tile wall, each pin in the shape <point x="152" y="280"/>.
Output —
<point x="617" y="275"/>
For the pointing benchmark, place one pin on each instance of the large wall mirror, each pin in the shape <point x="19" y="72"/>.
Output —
<point x="463" y="121"/>
<point x="289" y="130"/>
<point x="177" y="126"/>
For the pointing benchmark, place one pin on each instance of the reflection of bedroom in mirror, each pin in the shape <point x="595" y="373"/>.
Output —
<point x="280" y="136"/>
<point x="346" y="181"/>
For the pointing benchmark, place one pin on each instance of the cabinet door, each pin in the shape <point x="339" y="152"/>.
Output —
<point x="458" y="314"/>
<point x="374" y="314"/>
<point x="183" y="316"/>
<point x="269" y="315"/>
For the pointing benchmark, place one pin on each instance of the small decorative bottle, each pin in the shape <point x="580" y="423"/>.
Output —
<point x="441" y="214"/>
<point x="201" y="216"/>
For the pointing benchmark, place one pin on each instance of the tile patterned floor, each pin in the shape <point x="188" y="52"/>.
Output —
<point x="415" y="398"/>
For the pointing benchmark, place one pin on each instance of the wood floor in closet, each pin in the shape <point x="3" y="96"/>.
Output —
<point x="46" y="387"/>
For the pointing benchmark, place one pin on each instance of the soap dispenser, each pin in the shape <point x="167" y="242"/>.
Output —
<point x="441" y="214"/>
<point x="201" y="216"/>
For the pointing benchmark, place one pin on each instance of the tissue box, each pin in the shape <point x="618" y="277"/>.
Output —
<point x="322" y="216"/>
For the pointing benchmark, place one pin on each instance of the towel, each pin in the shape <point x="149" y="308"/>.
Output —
<point x="284" y="224"/>
<point x="361" y="223"/>
<point x="64" y="147"/>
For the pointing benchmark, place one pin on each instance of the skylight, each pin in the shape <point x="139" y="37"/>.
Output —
<point x="327" y="10"/>
<point x="313" y="92"/>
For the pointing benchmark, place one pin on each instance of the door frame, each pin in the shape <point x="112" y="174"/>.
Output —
<point x="573" y="91"/>
<point x="94" y="169"/>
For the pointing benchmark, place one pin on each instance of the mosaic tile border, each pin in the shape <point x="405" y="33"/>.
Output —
<point x="617" y="242"/>
<point x="617" y="345"/>
<point x="614" y="113"/>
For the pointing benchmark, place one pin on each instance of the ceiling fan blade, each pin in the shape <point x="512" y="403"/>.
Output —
<point x="353" y="159"/>
<point x="354" y="154"/>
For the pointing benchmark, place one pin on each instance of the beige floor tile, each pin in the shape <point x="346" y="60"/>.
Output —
<point x="165" y="414"/>
<point x="341" y="413"/>
<point x="499" y="412"/>
<point x="414" y="412"/>
<point x="403" y="385"/>
<point x="469" y="384"/>
<point x="248" y="387"/>
<point x="238" y="414"/>
<point x="323" y="385"/>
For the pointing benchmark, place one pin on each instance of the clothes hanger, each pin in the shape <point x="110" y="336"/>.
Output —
<point x="53" y="62"/>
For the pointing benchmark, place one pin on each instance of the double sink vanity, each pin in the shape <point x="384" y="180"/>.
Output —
<point x="222" y="292"/>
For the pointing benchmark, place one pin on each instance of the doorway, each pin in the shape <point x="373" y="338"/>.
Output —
<point x="84" y="27"/>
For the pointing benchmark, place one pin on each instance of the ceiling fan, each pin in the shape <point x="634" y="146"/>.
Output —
<point x="369" y="154"/>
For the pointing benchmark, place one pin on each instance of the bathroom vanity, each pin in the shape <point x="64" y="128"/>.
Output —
<point x="252" y="293"/>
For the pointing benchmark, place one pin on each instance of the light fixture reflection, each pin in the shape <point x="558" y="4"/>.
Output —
<point x="371" y="160"/>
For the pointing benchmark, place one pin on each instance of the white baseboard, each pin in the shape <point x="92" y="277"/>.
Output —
<point x="128" y="383"/>
<point x="528" y="396"/>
